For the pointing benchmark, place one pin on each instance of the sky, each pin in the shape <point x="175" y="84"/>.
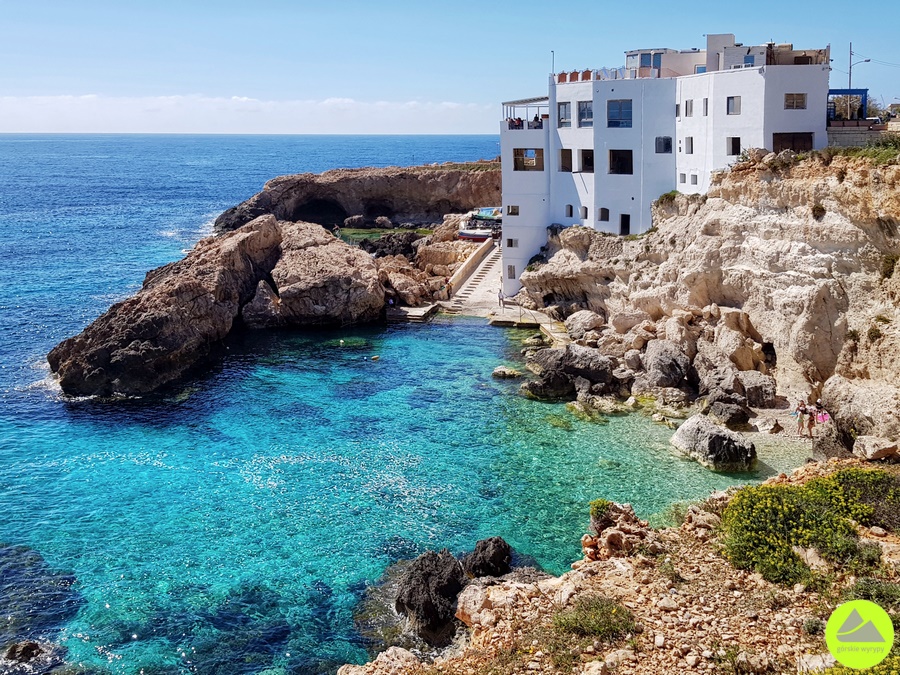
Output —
<point x="369" y="67"/>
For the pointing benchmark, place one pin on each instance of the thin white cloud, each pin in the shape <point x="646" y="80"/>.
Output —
<point x="92" y="113"/>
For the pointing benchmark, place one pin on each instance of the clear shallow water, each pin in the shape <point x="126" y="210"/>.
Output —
<point x="231" y="527"/>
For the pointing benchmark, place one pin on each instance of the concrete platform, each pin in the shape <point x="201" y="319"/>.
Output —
<point x="411" y="314"/>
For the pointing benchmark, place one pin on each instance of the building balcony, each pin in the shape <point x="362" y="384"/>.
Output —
<point x="528" y="113"/>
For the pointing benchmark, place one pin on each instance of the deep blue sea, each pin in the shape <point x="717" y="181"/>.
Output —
<point x="233" y="526"/>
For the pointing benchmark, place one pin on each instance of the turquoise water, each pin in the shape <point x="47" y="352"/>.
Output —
<point x="233" y="525"/>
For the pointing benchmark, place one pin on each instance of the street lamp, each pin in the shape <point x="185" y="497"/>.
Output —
<point x="850" y="76"/>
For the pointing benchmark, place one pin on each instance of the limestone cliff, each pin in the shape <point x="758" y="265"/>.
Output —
<point x="416" y="194"/>
<point x="786" y="267"/>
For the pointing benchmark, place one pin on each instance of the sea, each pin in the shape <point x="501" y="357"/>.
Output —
<point x="234" y="524"/>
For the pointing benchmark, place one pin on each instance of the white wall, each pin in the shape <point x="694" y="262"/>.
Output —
<point x="573" y="188"/>
<point x="811" y="80"/>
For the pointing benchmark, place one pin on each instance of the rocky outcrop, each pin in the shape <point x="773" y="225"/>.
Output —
<point x="416" y="194"/>
<point x="428" y="593"/>
<point x="713" y="446"/>
<point x="491" y="558"/>
<point x="766" y="297"/>
<point x="264" y="274"/>
<point x="563" y="370"/>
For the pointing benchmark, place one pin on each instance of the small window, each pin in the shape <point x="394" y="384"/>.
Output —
<point x="512" y="210"/>
<point x="569" y="210"/>
<point x="620" y="162"/>
<point x="705" y="106"/>
<point x="587" y="161"/>
<point x="584" y="213"/>
<point x="795" y="101"/>
<point x="510" y="271"/>
<point x="689" y="108"/>
<point x="512" y="243"/>
<point x="528" y="159"/>
<point x="604" y="215"/>
<point x="693" y="179"/>
<point x="564" y="114"/>
<point x="733" y="105"/>
<point x="682" y="178"/>
<point x="645" y="60"/>
<point x="625" y="224"/>
<point x="699" y="69"/>
<point x="677" y="110"/>
<point x="689" y="145"/>
<point x="664" y="145"/>
<point x="733" y="145"/>
<point x="565" y="160"/>
<point x="749" y="59"/>
<point x="585" y="114"/>
<point x="618" y="113"/>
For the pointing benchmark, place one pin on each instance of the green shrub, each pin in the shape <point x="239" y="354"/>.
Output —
<point x="762" y="523"/>
<point x="595" y="616"/>
<point x="818" y="211"/>
<point x="884" y="593"/>
<point x="813" y="626"/>
<point x="667" y="197"/>
<point x="599" y="508"/>
<point x="881" y="318"/>
<point x="852" y="335"/>
<point x="874" y="334"/>
<point x="890" y="666"/>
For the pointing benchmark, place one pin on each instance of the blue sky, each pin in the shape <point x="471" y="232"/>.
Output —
<point x="353" y="66"/>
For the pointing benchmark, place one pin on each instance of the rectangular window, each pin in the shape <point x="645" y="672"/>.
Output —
<point x="705" y="107"/>
<point x="512" y="243"/>
<point x="748" y="60"/>
<point x="693" y="179"/>
<point x="618" y="113"/>
<point x="677" y="110"/>
<point x="689" y="108"/>
<point x="512" y="210"/>
<point x="699" y="69"/>
<point x="510" y="271"/>
<point x="565" y="160"/>
<point x="584" y="213"/>
<point x="604" y="215"/>
<point x="585" y="114"/>
<point x="528" y="159"/>
<point x="733" y="105"/>
<point x="689" y="145"/>
<point x="587" y="161"/>
<point x="682" y="178"/>
<point x="620" y="162"/>
<point x="569" y="210"/>
<point x="645" y="60"/>
<point x="733" y="145"/>
<point x="795" y="101"/>
<point x="564" y="114"/>
<point x="664" y="145"/>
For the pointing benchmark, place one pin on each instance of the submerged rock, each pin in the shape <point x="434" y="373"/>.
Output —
<point x="713" y="446"/>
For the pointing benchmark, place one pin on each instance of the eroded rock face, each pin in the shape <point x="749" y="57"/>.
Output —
<point x="416" y="194"/>
<point x="266" y="273"/>
<point x="713" y="446"/>
<point x="428" y="593"/>
<point x="491" y="558"/>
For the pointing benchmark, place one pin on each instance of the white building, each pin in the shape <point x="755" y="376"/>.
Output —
<point x="604" y="144"/>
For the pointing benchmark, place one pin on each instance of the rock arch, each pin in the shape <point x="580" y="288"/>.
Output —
<point x="375" y="208"/>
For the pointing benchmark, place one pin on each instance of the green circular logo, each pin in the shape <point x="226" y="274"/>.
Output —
<point x="859" y="634"/>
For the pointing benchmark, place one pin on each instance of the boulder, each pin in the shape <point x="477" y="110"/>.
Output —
<point x="759" y="389"/>
<point x="559" y="368"/>
<point x="625" y="321"/>
<point x="581" y="322"/>
<point x="428" y="593"/>
<point x="400" y="243"/>
<point x="505" y="373"/>
<point x="713" y="446"/>
<point x="728" y="414"/>
<point x="769" y="425"/>
<point x="355" y="222"/>
<point x="874" y="447"/>
<point x="490" y="558"/>
<point x="665" y="364"/>
<point x="23" y="652"/>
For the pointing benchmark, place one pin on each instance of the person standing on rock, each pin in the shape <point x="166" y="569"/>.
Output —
<point x="501" y="299"/>
<point x="811" y="419"/>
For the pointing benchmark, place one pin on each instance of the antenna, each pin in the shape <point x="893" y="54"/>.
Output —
<point x="552" y="61"/>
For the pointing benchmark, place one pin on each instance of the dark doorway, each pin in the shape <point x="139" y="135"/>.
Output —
<point x="625" y="224"/>
<point x="377" y="207"/>
<point x="798" y="142"/>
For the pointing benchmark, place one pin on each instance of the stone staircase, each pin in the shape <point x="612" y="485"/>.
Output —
<point x="487" y="274"/>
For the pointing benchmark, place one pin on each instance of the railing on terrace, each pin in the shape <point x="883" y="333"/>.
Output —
<point x="615" y="74"/>
<point x="526" y="114"/>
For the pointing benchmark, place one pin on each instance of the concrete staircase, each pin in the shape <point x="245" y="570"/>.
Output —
<point x="485" y="280"/>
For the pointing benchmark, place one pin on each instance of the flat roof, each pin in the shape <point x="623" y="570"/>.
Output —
<point x="528" y="101"/>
